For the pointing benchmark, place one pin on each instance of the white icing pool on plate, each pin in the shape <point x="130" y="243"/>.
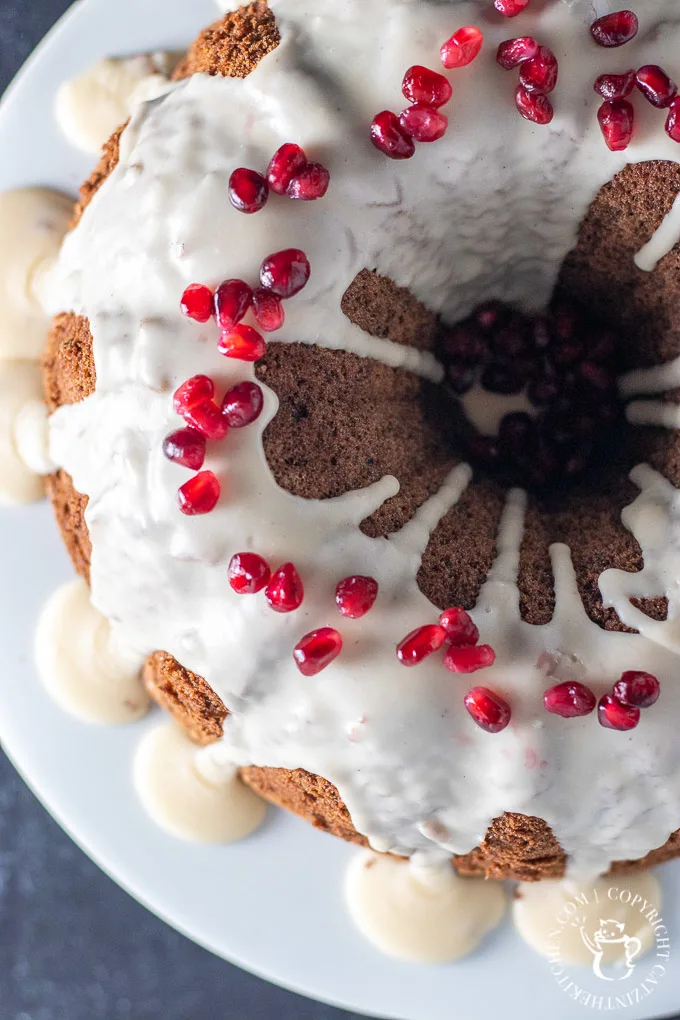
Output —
<point x="20" y="386"/>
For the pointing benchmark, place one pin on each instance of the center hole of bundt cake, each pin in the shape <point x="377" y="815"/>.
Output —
<point x="539" y="391"/>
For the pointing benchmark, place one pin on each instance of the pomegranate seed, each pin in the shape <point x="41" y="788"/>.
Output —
<point x="248" y="573"/>
<point x="673" y="121"/>
<point x="197" y="302"/>
<point x="489" y="711"/>
<point x="185" y="447"/>
<point x="596" y="375"/>
<point x="615" y="86"/>
<point x="420" y="643"/>
<point x="424" y="123"/>
<point x="207" y="418"/>
<point x="268" y="310"/>
<point x="285" y="272"/>
<point x="317" y="650"/>
<point x="636" y="689"/>
<point x="462" y="48"/>
<point x="193" y="391"/>
<point x="355" y="595"/>
<point x="656" y="86"/>
<point x="248" y="190"/>
<point x="540" y="73"/>
<point x="510" y="8"/>
<point x="421" y="85"/>
<point x="514" y="52"/>
<point x="617" y="120"/>
<point x="285" y="164"/>
<point x="200" y="494"/>
<point x="615" y="29"/>
<point x="233" y="298"/>
<point x="533" y="106"/>
<point x="388" y="135"/>
<point x="242" y="342"/>
<point x="310" y="183"/>
<point x="569" y="700"/>
<point x="285" y="592"/>
<point x="459" y="626"/>
<point x="468" y="659"/>
<point x="242" y="404"/>
<point x="461" y="378"/>
<point x="615" y="716"/>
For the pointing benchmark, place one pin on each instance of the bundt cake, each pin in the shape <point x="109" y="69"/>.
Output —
<point x="355" y="483"/>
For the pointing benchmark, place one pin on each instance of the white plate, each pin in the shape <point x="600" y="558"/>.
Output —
<point x="272" y="904"/>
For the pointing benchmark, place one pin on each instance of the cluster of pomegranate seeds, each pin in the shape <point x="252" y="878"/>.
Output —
<point x="200" y="494"/>
<point x="615" y="29"/>
<point x="285" y="591"/>
<point x="185" y="447"/>
<point x="242" y="404"/>
<point x="491" y="712"/>
<point x="538" y="73"/>
<point x="248" y="573"/>
<point x="291" y="173"/>
<point x="569" y="700"/>
<point x="248" y="190"/>
<point x="194" y="402"/>
<point x="197" y="302"/>
<point x="564" y="362"/>
<point x="316" y="650"/>
<point x="633" y="691"/>
<point x="355" y="595"/>
<point x="462" y="48"/>
<point x="455" y="628"/>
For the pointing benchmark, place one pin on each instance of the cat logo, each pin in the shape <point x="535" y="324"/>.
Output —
<point x="611" y="933"/>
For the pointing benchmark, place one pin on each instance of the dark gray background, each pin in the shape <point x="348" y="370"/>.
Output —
<point x="73" y="946"/>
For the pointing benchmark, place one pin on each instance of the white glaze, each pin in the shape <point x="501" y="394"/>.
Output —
<point x="187" y="800"/>
<point x="662" y="241"/>
<point x="91" y="106"/>
<point x="549" y="915"/>
<point x="32" y="438"/>
<point x="485" y="410"/>
<point x="20" y="385"/>
<point x="33" y="222"/>
<point x="653" y="412"/>
<point x="420" y="914"/>
<point x="413" y="769"/>
<point x="81" y="663"/>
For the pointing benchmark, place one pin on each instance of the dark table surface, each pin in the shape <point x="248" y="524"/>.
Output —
<point x="73" y="946"/>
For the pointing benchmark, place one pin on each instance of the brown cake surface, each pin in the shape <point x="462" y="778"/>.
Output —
<point x="392" y="422"/>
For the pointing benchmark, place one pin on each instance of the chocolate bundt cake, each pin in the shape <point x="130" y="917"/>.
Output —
<point x="490" y="276"/>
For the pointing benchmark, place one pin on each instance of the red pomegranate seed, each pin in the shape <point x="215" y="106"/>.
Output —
<point x="514" y="52"/>
<point x="233" y="298"/>
<point x="462" y="48"/>
<point x="248" y="190"/>
<point x="533" y="106"/>
<point x="310" y="183"/>
<point x="285" y="164"/>
<point x="285" y="592"/>
<point x="637" y="689"/>
<point x="673" y="121"/>
<point x="390" y="138"/>
<point x="420" y="643"/>
<point x="242" y="404"/>
<point x="207" y="418"/>
<point x="193" y="391"/>
<point x="615" y="716"/>
<point x="317" y="650"/>
<point x="355" y="595"/>
<point x="285" y="272"/>
<point x="459" y="626"/>
<point x="617" y="120"/>
<point x="615" y="86"/>
<point x="200" y="494"/>
<point x="468" y="659"/>
<point x="569" y="700"/>
<point x="424" y="123"/>
<point x="540" y="73"/>
<point x="268" y="310"/>
<point x="243" y="343"/>
<point x="596" y="375"/>
<point x="248" y="573"/>
<point x="185" y="447"/>
<point x="491" y="712"/>
<point x="656" y="86"/>
<point x="510" y="8"/>
<point x="615" y="29"/>
<point x="421" y="85"/>
<point x="197" y="302"/>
